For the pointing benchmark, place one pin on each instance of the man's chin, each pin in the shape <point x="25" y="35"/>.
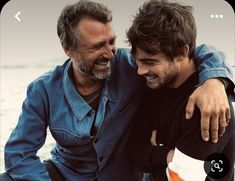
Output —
<point x="102" y="75"/>
<point x="153" y="86"/>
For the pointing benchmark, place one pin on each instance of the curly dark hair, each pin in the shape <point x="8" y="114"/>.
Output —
<point x="161" y="26"/>
<point x="72" y="14"/>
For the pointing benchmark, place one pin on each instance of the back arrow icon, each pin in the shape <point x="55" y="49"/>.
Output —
<point x="16" y="16"/>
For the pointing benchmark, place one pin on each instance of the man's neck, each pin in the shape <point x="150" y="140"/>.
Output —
<point x="187" y="68"/>
<point x="86" y="85"/>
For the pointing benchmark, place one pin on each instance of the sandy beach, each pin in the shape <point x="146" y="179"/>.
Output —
<point x="14" y="82"/>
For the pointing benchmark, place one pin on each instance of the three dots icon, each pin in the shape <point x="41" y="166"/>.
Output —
<point x="217" y="16"/>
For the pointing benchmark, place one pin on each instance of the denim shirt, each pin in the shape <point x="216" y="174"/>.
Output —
<point x="52" y="101"/>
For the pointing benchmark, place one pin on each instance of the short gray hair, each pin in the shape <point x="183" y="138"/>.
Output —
<point x="72" y="14"/>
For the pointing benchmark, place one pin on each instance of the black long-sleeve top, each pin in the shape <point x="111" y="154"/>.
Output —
<point x="164" y="110"/>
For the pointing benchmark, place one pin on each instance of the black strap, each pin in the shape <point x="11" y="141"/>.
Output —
<point x="53" y="171"/>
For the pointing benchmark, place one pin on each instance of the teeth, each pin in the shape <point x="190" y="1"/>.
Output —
<point x="150" y="77"/>
<point x="103" y="63"/>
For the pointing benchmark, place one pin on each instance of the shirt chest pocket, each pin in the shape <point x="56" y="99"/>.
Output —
<point x="72" y="133"/>
<point x="66" y="138"/>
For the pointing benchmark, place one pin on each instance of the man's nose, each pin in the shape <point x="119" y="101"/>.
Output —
<point x="110" y="51"/>
<point x="142" y="70"/>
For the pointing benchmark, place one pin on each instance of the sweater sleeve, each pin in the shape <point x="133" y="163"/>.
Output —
<point x="141" y="152"/>
<point x="191" y="151"/>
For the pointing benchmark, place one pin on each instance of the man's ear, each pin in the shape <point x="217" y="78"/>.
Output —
<point x="68" y="51"/>
<point x="185" y="51"/>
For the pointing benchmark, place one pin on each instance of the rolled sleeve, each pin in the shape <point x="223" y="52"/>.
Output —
<point x="212" y="63"/>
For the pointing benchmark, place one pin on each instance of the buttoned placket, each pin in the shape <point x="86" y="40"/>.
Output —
<point x="99" y="120"/>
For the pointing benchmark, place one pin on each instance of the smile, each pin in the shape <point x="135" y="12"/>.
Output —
<point x="103" y="64"/>
<point x="149" y="78"/>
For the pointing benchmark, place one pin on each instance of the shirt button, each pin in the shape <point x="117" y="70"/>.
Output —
<point x="101" y="158"/>
<point x="89" y="113"/>
<point x="96" y="140"/>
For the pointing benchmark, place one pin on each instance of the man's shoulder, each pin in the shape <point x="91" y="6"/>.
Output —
<point x="52" y="77"/>
<point x="125" y="59"/>
<point x="123" y="52"/>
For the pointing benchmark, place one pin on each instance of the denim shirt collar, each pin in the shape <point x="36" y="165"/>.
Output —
<point x="77" y="103"/>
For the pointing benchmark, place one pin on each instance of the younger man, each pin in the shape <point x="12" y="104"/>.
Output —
<point x="168" y="65"/>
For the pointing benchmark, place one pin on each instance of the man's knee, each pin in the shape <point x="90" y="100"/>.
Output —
<point x="5" y="177"/>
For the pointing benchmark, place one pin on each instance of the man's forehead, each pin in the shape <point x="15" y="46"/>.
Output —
<point x="141" y="54"/>
<point x="92" y="30"/>
<point x="89" y="25"/>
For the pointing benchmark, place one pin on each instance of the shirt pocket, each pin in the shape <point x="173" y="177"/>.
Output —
<point x="68" y="138"/>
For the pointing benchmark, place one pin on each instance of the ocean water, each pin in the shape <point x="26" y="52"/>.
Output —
<point x="13" y="85"/>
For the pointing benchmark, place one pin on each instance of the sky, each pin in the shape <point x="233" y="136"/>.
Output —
<point x="33" y="40"/>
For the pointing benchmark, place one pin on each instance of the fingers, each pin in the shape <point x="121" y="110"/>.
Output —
<point x="212" y="101"/>
<point x="153" y="139"/>
<point x="224" y="119"/>
<point x="228" y="115"/>
<point x="222" y="123"/>
<point x="214" y="128"/>
<point x="213" y="124"/>
<point x="190" y="107"/>
<point x="205" y="124"/>
<point x="170" y="156"/>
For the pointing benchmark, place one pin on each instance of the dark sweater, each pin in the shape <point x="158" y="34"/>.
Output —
<point x="164" y="110"/>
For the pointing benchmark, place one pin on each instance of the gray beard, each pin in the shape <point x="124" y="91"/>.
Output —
<point x="86" y="71"/>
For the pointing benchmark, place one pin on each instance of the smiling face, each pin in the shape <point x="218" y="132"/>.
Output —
<point x="158" y="69"/>
<point x="95" y="50"/>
